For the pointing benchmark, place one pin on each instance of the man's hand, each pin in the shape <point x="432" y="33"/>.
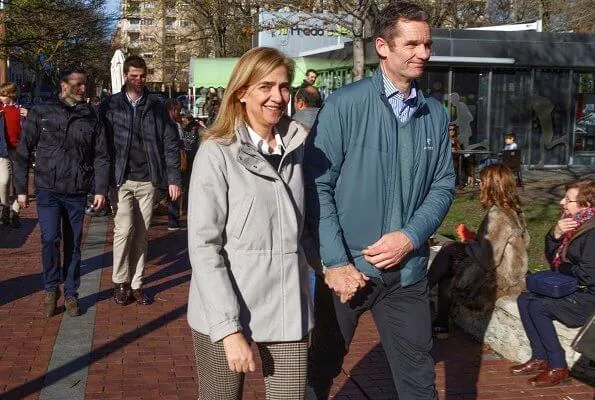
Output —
<point x="345" y="281"/>
<point x="174" y="192"/>
<point x="98" y="201"/>
<point x="389" y="251"/>
<point x="23" y="200"/>
<point x="239" y="354"/>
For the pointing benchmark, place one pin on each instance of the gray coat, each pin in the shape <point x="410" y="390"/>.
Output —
<point x="245" y="225"/>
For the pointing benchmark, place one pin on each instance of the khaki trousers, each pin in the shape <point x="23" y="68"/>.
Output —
<point x="133" y="212"/>
<point x="5" y="180"/>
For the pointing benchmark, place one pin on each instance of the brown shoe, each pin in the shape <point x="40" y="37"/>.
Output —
<point x="72" y="306"/>
<point x="141" y="297"/>
<point x="531" y="367"/>
<point x="49" y="302"/>
<point x="551" y="377"/>
<point x="122" y="293"/>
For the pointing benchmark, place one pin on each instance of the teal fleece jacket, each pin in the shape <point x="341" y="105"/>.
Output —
<point x="368" y="174"/>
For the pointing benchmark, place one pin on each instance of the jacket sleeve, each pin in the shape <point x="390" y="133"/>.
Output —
<point x="429" y="215"/>
<point x="101" y="161"/>
<point x="323" y="159"/>
<point x="584" y="269"/>
<point x="27" y="145"/>
<point x="207" y="215"/>
<point x="551" y="245"/>
<point x="171" y="146"/>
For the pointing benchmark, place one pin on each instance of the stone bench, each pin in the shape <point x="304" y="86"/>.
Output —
<point x="504" y="333"/>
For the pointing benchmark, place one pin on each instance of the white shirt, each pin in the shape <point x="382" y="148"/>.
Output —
<point x="262" y="146"/>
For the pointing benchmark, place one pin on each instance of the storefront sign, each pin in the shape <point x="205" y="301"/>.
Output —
<point x="300" y="33"/>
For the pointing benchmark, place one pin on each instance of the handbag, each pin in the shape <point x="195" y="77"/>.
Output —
<point x="584" y="342"/>
<point x="551" y="284"/>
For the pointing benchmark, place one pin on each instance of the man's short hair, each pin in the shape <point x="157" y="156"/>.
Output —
<point x="135" y="62"/>
<point x="171" y="103"/>
<point x="311" y="70"/>
<point x="385" y="26"/>
<point x="310" y="96"/>
<point x="65" y="73"/>
<point x="510" y="135"/>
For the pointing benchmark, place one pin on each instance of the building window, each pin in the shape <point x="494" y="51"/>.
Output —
<point x="584" y="119"/>
<point x="147" y="5"/>
<point x="133" y="36"/>
<point x="184" y="23"/>
<point x="170" y="22"/>
<point x="147" y="21"/>
<point x="133" y="21"/>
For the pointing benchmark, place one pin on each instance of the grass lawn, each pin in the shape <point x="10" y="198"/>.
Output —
<point x="541" y="216"/>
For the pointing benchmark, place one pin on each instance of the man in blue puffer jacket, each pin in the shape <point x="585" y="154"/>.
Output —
<point x="71" y="160"/>
<point x="379" y="181"/>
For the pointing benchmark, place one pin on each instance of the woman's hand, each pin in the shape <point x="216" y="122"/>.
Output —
<point x="564" y="225"/>
<point x="238" y="352"/>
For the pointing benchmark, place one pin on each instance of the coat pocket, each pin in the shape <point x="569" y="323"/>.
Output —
<point x="241" y="216"/>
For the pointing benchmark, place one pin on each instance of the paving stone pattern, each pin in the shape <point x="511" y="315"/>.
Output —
<point x="145" y="352"/>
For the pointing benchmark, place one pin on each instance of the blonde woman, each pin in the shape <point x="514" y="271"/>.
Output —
<point x="245" y="222"/>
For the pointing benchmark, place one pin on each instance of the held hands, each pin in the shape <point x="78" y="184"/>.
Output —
<point x="239" y="354"/>
<point x="23" y="200"/>
<point x="345" y="281"/>
<point x="389" y="251"/>
<point x="174" y="192"/>
<point x="564" y="225"/>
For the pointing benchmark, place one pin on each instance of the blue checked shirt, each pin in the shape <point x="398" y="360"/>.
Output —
<point x="402" y="107"/>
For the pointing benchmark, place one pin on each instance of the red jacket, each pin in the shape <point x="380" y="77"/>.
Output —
<point x="12" y="125"/>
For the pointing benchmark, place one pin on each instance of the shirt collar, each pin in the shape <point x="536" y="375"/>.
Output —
<point x="391" y="90"/>
<point x="134" y="103"/>
<point x="262" y="146"/>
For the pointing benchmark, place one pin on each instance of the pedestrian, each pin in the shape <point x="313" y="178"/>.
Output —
<point x="379" y="181"/>
<point x="309" y="78"/>
<point x="307" y="102"/>
<point x="71" y="160"/>
<point x="145" y="151"/>
<point x="174" y="107"/>
<point x="12" y="115"/>
<point x="245" y="224"/>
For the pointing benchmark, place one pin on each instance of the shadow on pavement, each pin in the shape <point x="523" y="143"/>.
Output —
<point x="54" y="375"/>
<point x="14" y="238"/>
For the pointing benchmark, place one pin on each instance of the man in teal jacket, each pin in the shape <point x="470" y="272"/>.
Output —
<point x="379" y="181"/>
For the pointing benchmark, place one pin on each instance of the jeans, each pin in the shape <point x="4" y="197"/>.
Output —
<point x="61" y="216"/>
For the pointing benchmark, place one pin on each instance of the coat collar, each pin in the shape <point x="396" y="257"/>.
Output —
<point x="293" y="136"/>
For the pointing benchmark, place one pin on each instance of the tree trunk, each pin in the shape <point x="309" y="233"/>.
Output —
<point x="358" y="51"/>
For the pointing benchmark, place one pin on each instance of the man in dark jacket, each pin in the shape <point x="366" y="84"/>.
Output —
<point x="71" y="161"/>
<point x="145" y="152"/>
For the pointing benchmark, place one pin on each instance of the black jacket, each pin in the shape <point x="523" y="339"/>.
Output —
<point x="580" y="257"/>
<point x="160" y="139"/>
<point x="70" y="150"/>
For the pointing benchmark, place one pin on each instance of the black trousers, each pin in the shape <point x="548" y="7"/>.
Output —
<point x="402" y="317"/>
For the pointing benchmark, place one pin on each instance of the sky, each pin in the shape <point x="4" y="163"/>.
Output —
<point x="112" y="5"/>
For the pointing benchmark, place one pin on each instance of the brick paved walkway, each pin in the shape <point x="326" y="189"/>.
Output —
<point x="146" y="352"/>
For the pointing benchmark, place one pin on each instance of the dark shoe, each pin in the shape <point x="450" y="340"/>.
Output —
<point x="15" y="221"/>
<point x="49" y="302"/>
<point x="72" y="306"/>
<point x="121" y="293"/>
<point x="440" y="331"/>
<point x="173" y="227"/>
<point x="140" y="297"/>
<point x="531" y="367"/>
<point x="551" y="377"/>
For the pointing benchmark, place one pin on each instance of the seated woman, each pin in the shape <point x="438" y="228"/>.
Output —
<point x="570" y="250"/>
<point x="477" y="271"/>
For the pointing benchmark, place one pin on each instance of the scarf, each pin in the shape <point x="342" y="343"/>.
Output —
<point x="580" y="217"/>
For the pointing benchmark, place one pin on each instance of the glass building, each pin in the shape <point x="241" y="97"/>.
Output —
<point x="538" y="85"/>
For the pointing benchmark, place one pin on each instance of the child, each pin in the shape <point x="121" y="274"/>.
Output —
<point x="510" y="141"/>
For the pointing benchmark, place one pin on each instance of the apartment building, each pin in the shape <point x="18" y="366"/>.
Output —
<point x="157" y="31"/>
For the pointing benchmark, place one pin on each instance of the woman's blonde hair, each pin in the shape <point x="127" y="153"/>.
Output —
<point x="498" y="188"/>
<point x="9" y="90"/>
<point x="254" y="65"/>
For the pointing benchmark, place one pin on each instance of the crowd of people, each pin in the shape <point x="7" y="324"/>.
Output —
<point x="347" y="191"/>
